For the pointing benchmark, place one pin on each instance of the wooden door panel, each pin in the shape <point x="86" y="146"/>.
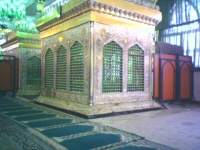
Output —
<point x="185" y="74"/>
<point x="5" y="76"/>
<point x="168" y="77"/>
<point x="156" y="78"/>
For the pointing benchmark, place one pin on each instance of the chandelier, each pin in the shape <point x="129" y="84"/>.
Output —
<point x="3" y="31"/>
<point x="13" y="17"/>
<point x="12" y="10"/>
<point x="40" y="5"/>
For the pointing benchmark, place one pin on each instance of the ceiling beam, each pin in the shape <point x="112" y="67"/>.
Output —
<point x="29" y="2"/>
<point x="155" y="2"/>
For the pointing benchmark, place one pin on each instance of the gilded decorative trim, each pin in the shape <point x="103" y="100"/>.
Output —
<point x="23" y="42"/>
<point x="92" y="5"/>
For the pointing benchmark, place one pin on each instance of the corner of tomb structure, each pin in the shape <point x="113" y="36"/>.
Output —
<point x="89" y="28"/>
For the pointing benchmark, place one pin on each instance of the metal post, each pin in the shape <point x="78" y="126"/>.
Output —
<point x="14" y="78"/>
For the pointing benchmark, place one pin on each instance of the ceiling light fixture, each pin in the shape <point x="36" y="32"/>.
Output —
<point x="13" y="17"/>
<point x="3" y="30"/>
<point x="40" y="5"/>
<point x="12" y="11"/>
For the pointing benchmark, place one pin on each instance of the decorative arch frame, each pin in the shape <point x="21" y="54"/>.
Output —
<point x="125" y="38"/>
<point x="77" y="69"/>
<point x="112" y="69"/>
<point x="61" y="68"/>
<point x="79" y="34"/>
<point x="135" y="74"/>
<point x="36" y="76"/>
<point x="51" y="86"/>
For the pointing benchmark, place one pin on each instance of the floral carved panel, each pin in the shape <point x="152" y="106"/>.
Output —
<point x="67" y="38"/>
<point x="125" y="38"/>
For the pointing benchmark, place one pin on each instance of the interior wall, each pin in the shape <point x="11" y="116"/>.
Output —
<point x="197" y="85"/>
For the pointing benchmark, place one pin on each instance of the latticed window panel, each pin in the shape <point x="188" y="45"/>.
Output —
<point x="34" y="71"/>
<point x="77" y="68"/>
<point x="49" y="69"/>
<point x="135" y="69"/>
<point x="112" y="68"/>
<point x="61" y="72"/>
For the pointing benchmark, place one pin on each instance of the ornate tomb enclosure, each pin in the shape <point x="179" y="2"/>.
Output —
<point x="98" y="53"/>
<point x="27" y="49"/>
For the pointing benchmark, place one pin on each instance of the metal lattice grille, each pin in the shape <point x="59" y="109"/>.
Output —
<point x="135" y="69"/>
<point x="112" y="68"/>
<point x="49" y="69"/>
<point x="61" y="76"/>
<point x="34" y="71"/>
<point x="77" y="67"/>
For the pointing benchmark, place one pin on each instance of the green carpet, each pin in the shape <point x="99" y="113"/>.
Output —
<point x="14" y="137"/>
<point x="35" y="117"/>
<point x="5" y="145"/>
<point x="15" y="109"/>
<point x="136" y="148"/>
<point x="91" y="141"/>
<point x="10" y="105"/>
<point x="66" y="131"/>
<point x="50" y="122"/>
<point x="62" y="131"/>
<point x="26" y="112"/>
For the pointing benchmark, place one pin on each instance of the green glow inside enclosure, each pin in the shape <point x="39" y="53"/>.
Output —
<point x="77" y="67"/>
<point x="61" y="68"/>
<point x="34" y="71"/>
<point x="49" y="69"/>
<point x="112" y="68"/>
<point x="135" y="69"/>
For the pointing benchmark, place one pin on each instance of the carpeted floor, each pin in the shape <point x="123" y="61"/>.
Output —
<point x="23" y="125"/>
<point x="16" y="137"/>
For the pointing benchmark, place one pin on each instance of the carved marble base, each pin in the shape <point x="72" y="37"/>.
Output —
<point x="30" y="92"/>
<point x="98" y="110"/>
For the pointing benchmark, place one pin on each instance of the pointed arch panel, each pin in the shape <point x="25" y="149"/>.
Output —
<point x="77" y="68"/>
<point x="112" y="68"/>
<point x="61" y="69"/>
<point x="49" y="69"/>
<point x="34" y="71"/>
<point x="135" y="69"/>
